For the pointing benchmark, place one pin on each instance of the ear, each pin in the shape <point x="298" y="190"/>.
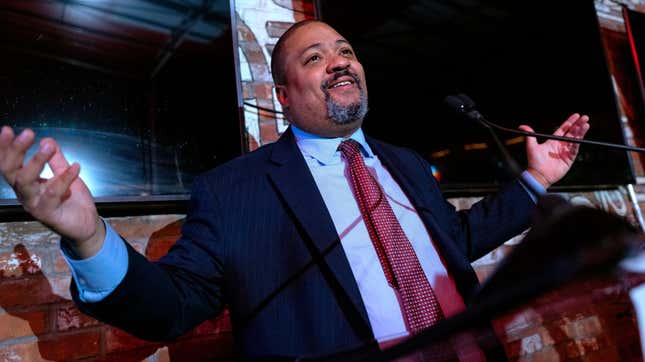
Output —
<point x="283" y="97"/>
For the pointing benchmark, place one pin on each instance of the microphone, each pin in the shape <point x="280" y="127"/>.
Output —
<point x="462" y="104"/>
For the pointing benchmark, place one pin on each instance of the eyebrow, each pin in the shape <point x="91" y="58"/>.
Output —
<point x="317" y="45"/>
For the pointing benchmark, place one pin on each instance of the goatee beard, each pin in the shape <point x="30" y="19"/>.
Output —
<point x="345" y="114"/>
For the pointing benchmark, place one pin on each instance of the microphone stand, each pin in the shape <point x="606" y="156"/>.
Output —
<point x="490" y="124"/>
<point x="509" y="161"/>
<point x="465" y="106"/>
<point x="462" y="104"/>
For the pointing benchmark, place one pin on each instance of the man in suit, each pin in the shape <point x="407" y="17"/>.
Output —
<point x="278" y="234"/>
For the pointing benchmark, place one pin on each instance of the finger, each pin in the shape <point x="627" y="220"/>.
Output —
<point x="564" y="127"/>
<point x="15" y="154"/>
<point x="580" y="128"/>
<point x="58" y="163"/>
<point x="27" y="180"/>
<point x="30" y="172"/>
<point x="530" y="141"/>
<point x="6" y="137"/>
<point x="58" y="187"/>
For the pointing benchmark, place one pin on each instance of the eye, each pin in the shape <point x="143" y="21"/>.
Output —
<point x="347" y="51"/>
<point x="313" y="58"/>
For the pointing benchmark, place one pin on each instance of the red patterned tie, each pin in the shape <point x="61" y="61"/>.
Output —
<point x="397" y="257"/>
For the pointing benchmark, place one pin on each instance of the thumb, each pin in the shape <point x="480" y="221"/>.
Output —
<point x="58" y="163"/>
<point x="530" y="141"/>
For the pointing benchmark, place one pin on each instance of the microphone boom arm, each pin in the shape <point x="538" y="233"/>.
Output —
<point x="560" y="138"/>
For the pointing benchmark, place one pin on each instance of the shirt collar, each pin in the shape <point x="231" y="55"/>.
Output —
<point x="325" y="150"/>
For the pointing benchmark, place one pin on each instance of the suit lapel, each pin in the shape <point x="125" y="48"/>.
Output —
<point x="294" y="182"/>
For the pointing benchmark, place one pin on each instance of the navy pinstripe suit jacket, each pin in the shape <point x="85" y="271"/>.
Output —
<point x="253" y="240"/>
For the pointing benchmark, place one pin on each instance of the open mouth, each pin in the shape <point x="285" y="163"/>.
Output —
<point x="341" y="80"/>
<point x="341" y="84"/>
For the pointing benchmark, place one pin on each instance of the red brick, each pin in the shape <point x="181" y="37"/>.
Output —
<point x="34" y="290"/>
<point x="255" y="56"/>
<point x="275" y="29"/>
<point x="136" y="355"/>
<point x="142" y="226"/>
<point x="60" y="286"/>
<point x="21" y="324"/>
<point x="138" y="244"/>
<point x="300" y="7"/>
<point x="245" y="34"/>
<point x="247" y="90"/>
<point x="263" y="90"/>
<point x="583" y="328"/>
<point x="28" y="233"/>
<point x="161" y="355"/>
<point x="117" y="340"/>
<point x="513" y="349"/>
<point x="268" y="132"/>
<point x="21" y="352"/>
<point x="590" y="345"/>
<point x="161" y="241"/>
<point x="221" y="324"/>
<point x="69" y="346"/>
<point x="172" y="229"/>
<point x="158" y="247"/>
<point x="213" y="348"/>
<point x="547" y="354"/>
<point x="572" y="349"/>
<point x="609" y="353"/>
<point x="60" y="265"/>
<point x="260" y="71"/>
<point x="69" y="317"/>
<point x="252" y="143"/>
<point x="19" y="262"/>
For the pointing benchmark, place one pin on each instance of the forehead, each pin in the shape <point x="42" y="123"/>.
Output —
<point x="310" y="35"/>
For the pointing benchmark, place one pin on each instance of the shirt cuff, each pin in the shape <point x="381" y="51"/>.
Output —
<point x="533" y="185"/>
<point x="97" y="276"/>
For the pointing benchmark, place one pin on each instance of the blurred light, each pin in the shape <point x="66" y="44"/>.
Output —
<point x="86" y="166"/>
<point x="436" y="173"/>
<point x="475" y="146"/>
<point x="515" y="140"/>
<point x="439" y="154"/>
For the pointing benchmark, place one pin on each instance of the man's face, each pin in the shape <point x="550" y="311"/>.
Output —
<point x="325" y="91"/>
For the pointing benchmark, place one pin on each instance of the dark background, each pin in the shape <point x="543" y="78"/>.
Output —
<point x="532" y="64"/>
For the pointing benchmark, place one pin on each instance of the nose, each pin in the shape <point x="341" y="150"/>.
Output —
<point x="337" y="63"/>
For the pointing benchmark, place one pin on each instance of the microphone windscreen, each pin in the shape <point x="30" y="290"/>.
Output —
<point x="468" y="103"/>
<point x="455" y="103"/>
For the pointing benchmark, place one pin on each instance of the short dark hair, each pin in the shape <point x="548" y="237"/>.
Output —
<point x="277" y="61"/>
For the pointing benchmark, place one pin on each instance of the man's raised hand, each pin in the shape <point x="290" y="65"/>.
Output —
<point x="63" y="202"/>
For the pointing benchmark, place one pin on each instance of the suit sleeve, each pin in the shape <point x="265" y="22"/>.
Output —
<point x="163" y="300"/>
<point x="491" y="221"/>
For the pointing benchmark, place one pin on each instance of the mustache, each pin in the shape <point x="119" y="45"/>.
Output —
<point x="339" y="74"/>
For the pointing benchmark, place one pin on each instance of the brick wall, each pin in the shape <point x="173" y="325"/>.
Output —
<point x="260" y="24"/>
<point x="584" y="320"/>
<point x="38" y="321"/>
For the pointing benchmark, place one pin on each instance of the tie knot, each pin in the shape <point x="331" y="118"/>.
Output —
<point x="349" y="148"/>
